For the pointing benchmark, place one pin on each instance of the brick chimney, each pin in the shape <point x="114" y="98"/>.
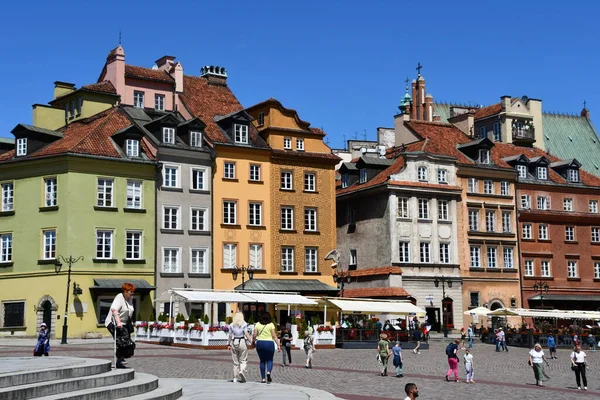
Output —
<point x="115" y="69"/>
<point x="428" y="112"/>
<point x="214" y="74"/>
<point x="505" y="103"/>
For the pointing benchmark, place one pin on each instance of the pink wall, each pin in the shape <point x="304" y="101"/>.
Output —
<point x="150" y="89"/>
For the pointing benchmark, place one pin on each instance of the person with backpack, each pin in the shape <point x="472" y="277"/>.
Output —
<point x="383" y="351"/>
<point x="286" y="344"/>
<point x="309" y="348"/>
<point x="452" y="353"/>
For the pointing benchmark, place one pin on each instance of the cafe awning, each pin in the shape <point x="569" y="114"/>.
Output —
<point x="561" y="314"/>
<point x="280" y="298"/>
<point x="377" y="306"/>
<point x="114" y="285"/>
<point x="193" y="296"/>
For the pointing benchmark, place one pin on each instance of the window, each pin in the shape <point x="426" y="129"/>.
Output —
<point x="443" y="210"/>
<point x="351" y="215"/>
<point x="568" y="204"/>
<point x="497" y="132"/>
<point x="444" y="253"/>
<point x="505" y="188"/>
<point x="198" y="178"/>
<point x="287" y="218"/>
<point x="171" y="260"/>
<point x="310" y="182"/>
<point x="261" y="118"/>
<point x="198" y="261"/>
<point x="569" y="233"/>
<point x="595" y="234"/>
<point x="475" y="252"/>
<point x="364" y="176"/>
<point x="543" y="203"/>
<point x="198" y="219"/>
<point x="522" y="171"/>
<point x="353" y="257"/>
<point x="7" y="196"/>
<point x="543" y="232"/>
<point x="49" y="244"/>
<point x="241" y="133"/>
<point x="21" y="146"/>
<point x="474" y="299"/>
<point x="134" y="194"/>
<point x="230" y="212"/>
<point x="482" y="132"/>
<point x="229" y="255"/>
<point x="506" y="222"/>
<point x="345" y="178"/>
<point x="527" y="231"/>
<point x="484" y="156"/>
<point x="442" y="176"/>
<point x="133" y="245"/>
<point x="229" y="170"/>
<point x="14" y="314"/>
<point x="492" y="257"/>
<point x="525" y="201"/>
<point x="300" y="144"/>
<point x="168" y="135"/>
<point x="593" y="206"/>
<point x="287" y="259"/>
<point x="195" y="139"/>
<point x="528" y="267"/>
<point x="255" y="214"/>
<point x="50" y="192"/>
<point x="473" y="220"/>
<point x="105" y="192"/>
<point x="542" y="172"/>
<point x="545" y="266"/>
<point x="403" y="207"/>
<point x="104" y="244"/>
<point x="490" y="221"/>
<point x="171" y="176"/>
<point x="488" y="187"/>
<point x="472" y="186"/>
<point x="573" y="175"/>
<point x="423" y="208"/>
<point x="404" y="252"/>
<point x="310" y="259"/>
<point x="424" y="252"/>
<point x="159" y="102"/>
<point x="286" y="180"/>
<point x="310" y="219"/>
<point x="138" y="99"/>
<point x="171" y="217"/>
<point x="132" y="148"/>
<point x="287" y="143"/>
<point x="6" y="247"/>
<point x="508" y="257"/>
<point x="256" y="256"/>
<point x="255" y="172"/>
<point x="422" y="174"/>
<point x="597" y="270"/>
<point x="572" y="269"/>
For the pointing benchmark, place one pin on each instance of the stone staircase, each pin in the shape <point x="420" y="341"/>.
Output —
<point x="54" y="378"/>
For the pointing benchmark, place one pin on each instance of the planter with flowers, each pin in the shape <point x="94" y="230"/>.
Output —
<point x="141" y="329"/>
<point x="166" y="330"/>
<point x="217" y="335"/>
<point x="154" y="329"/>
<point x="325" y="335"/>
<point x="181" y="333"/>
<point x="195" y="332"/>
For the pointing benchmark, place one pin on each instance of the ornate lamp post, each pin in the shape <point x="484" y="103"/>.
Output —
<point x="341" y="277"/>
<point x="77" y="290"/>
<point x="243" y="270"/>
<point x="541" y="287"/>
<point x="443" y="280"/>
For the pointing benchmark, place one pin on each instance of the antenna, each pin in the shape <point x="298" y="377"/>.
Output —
<point x="119" y="37"/>
<point x="355" y="135"/>
<point x="364" y="134"/>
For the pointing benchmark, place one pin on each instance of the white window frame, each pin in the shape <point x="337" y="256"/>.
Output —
<point x="528" y="268"/>
<point x="506" y="222"/>
<point x="299" y="144"/>
<point x="159" y="102"/>
<point x="134" y="194"/>
<point x="522" y="171"/>
<point x="542" y="172"/>
<point x="173" y="213"/>
<point x="567" y="204"/>
<point x="403" y="207"/>
<point x="8" y="196"/>
<point x="310" y="182"/>
<point x="542" y="232"/>
<point x="492" y="257"/>
<point x="484" y="156"/>
<point x="105" y="192"/>
<point x="105" y="238"/>
<point x="229" y="255"/>
<point x="444" y="253"/>
<point x="255" y="172"/>
<point x="422" y="174"/>
<point x="49" y="244"/>
<point x="545" y="268"/>
<point x="404" y="252"/>
<point x="490" y="221"/>
<point x="228" y="170"/>
<point x="286" y="181"/>
<point x="198" y="178"/>
<point x="240" y="133"/>
<point x="198" y="254"/>
<point x="311" y="263"/>
<point x="569" y="233"/>
<point x="172" y="251"/>
<point x="21" y="147"/>
<point x="50" y="191"/>
<point x="505" y="188"/>
<point x="595" y="234"/>
<point x="443" y="210"/>
<point x="572" y="270"/>
<point x="525" y="201"/>
<point x="597" y="270"/>
<point x="593" y="206"/>
<point x="508" y="254"/>
<point x="255" y="255"/>
<point x="527" y="232"/>
<point x="474" y="220"/>
<point x="475" y="256"/>
<point x="196" y="139"/>
<point x="543" y="203"/>
<point x="353" y="257"/>
<point x="255" y="213"/>
<point x="442" y="175"/>
<point x="310" y="219"/>
<point x="488" y="187"/>
<point x="472" y="185"/>
<point x="198" y="219"/>
<point x="171" y="176"/>
<point x="573" y="175"/>
<point x="425" y="252"/>
<point x="423" y="208"/>
<point x="229" y="209"/>
<point x="287" y="259"/>
<point x="287" y="143"/>
<point x="168" y="135"/>
<point x="287" y="218"/>
<point x="132" y="147"/>
<point x="138" y="98"/>
<point x="134" y="240"/>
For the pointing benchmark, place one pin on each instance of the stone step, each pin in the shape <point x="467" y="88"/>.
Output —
<point x="165" y="391"/>
<point x="62" y="386"/>
<point x="141" y="384"/>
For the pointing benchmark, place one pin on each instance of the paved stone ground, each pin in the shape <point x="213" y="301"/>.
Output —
<point x="353" y="374"/>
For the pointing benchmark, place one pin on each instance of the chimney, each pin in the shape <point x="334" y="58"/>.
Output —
<point x="177" y="74"/>
<point x="428" y="112"/>
<point x="413" y="108"/>
<point x="62" y="88"/>
<point x="165" y="62"/>
<point x="437" y="118"/>
<point x="115" y="69"/>
<point x="505" y="102"/>
<point x="214" y="74"/>
<point x="585" y="112"/>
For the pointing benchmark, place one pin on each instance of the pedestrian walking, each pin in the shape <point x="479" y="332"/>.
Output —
<point x="383" y="350"/>
<point x="416" y="337"/>
<point x="286" y="345"/>
<point x="463" y="337"/>
<point x="309" y="348"/>
<point x="237" y="344"/>
<point x="119" y="323"/>
<point x="592" y="342"/>
<point x="468" y="357"/>
<point x="579" y="365"/>
<point x="42" y="346"/>
<point x="497" y="339"/>
<point x="452" y="353"/>
<point x="552" y="345"/>
<point x="471" y="336"/>
<point x="536" y="361"/>
<point x="398" y="361"/>
<point x="412" y="392"/>
<point x="265" y="338"/>
<point x="502" y="339"/>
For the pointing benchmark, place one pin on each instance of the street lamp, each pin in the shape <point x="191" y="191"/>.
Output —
<point x="541" y="288"/>
<point x="57" y="267"/>
<point x="236" y="270"/>
<point x="443" y="280"/>
<point x="341" y="277"/>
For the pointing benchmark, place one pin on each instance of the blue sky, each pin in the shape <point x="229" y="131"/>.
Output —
<point x="341" y="65"/>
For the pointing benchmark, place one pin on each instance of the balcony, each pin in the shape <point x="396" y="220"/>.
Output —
<point x="523" y="133"/>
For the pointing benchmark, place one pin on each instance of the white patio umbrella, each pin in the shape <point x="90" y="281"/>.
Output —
<point x="483" y="311"/>
<point x="503" y="312"/>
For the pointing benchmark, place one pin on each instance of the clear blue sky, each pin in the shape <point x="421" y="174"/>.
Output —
<point x="341" y="65"/>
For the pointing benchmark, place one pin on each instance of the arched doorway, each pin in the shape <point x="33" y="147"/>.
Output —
<point x="496" y="321"/>
<point x="46" y="312"/>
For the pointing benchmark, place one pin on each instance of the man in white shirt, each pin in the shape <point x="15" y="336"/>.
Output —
<point x="412" y="392"/>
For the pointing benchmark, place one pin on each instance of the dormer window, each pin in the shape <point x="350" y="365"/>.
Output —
<point x="522" y="170"/>
<point x="241" y="133"/>
<point x="21" y="147"/>
<point x="195" y="139"/>
<point x="363" y="175"/>
<point x="168" y="135"/>
<point x="345" y="178"/>
<point x="573" y="175"/>
<point x="422" y="173"/>
<point x="300" y="144"/>
<point x="132" y="148"/>
<point x="484" y="156"/>
<point x="483" y="132"/>
<point x="287" y="143"/>
<point x="542" y="173"/>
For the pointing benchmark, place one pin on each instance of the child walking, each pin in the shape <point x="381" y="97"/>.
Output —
<point x="469" y="366"/>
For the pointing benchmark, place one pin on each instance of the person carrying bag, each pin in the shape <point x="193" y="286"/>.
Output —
<point x="119" y="324"/>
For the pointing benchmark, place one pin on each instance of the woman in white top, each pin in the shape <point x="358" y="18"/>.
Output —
<point x="468" y="357"/>
<point x="238" y="336"/>
<point x="578" y="361"/>
<point x="536" y="361"/>
<point x="121" y="310"/>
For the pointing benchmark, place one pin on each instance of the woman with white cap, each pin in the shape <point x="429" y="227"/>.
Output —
<point x="43" y="342"/>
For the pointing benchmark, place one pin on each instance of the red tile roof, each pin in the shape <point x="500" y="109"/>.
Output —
<point x="317" y="131"/>
<point x="286" y="111"/>
<point x="148" y="74"/>
<point x="303" y="154"/>
<point x="489" y="110"/>
<point x="101" y="87"/>
<point x="380" y="179"/>
<point x="376" y="292"/>
<point x="375" y="271"/>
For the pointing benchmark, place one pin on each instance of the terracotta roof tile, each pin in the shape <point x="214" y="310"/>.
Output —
<point x="489" y="110"/>
<point x="424" y="185"/>
<point x="317" y="131"/>
<point x="148" y="74"/>
<point x="302" y="154"/>
<point x="380" y="179"/>
<point x="287" y="111"/>
<point x="101" y="87"/>
<point x="376" y="292"/>
<point x="375" y="271"/>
